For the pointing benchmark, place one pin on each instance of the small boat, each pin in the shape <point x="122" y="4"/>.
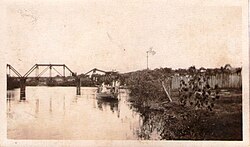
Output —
<point x="103" y="92"/>
<point x="107" y="95"/>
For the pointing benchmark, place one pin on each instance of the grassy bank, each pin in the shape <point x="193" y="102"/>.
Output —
<point x="175" y="122"/>
<point x="194" y="114"/>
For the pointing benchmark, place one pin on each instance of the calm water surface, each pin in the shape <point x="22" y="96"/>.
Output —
<point x="57" y="113"/>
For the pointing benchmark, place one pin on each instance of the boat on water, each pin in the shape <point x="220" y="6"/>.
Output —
<point x="107" y="95"/>
<point x="107" y="92"/>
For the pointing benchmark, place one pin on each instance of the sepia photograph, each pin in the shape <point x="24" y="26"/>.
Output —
<point x="125" y="71"/>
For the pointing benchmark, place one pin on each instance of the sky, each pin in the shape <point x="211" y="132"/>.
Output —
<point x="115" y="35"/>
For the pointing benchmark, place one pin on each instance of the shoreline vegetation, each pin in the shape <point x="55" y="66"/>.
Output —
<point x="199" y="104"/>
<point x="198" y="111"/>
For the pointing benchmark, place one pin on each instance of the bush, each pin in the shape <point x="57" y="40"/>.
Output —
<point x="198" y="93"/>
<point x="145" y="88"/>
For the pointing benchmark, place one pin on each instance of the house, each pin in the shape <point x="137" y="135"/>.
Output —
<point x="58" y="79"/>
<point x="228" y="67"/>
<point x="202" y="70"/>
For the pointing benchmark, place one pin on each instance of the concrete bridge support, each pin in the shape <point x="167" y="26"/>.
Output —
<point x="78" y="86"/>
<point x="22" y="88"/>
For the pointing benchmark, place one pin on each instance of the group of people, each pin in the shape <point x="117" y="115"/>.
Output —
<point x="114" y="88"/>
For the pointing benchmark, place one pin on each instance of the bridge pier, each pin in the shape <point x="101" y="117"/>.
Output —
<point x="78" y="86"/>
<point x="22" y="88"/>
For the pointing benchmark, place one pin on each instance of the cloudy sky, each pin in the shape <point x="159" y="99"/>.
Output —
<point x="116" y="35"/>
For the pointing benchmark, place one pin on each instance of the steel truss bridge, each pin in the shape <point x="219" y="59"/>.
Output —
<point x="50" y="68"/>
<point x="35" y="68"/>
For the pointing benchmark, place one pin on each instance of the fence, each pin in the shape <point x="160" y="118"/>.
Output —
<point x="223" y="80"/>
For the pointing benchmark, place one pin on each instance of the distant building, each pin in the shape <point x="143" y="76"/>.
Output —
<point x="202" y="69"/>
<point x="228" y="67"/>
<point x="70" y="79"/>
<point x="58" y="79"/>
<point x="111" y="73"/>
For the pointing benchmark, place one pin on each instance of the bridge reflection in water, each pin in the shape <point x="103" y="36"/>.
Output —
<point x="56" y="113"/>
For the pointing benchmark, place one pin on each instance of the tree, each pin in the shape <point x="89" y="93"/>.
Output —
<point x="192" y="69"/>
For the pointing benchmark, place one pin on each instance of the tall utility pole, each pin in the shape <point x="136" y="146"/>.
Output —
<point x="147" y="59"/>
<point x="151" y="52"/>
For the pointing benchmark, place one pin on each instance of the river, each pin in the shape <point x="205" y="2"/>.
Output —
<point x="57" y="113"/>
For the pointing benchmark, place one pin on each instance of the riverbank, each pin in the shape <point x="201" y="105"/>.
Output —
<point x="197" y="110"/>
<point x="175" y="122"/>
